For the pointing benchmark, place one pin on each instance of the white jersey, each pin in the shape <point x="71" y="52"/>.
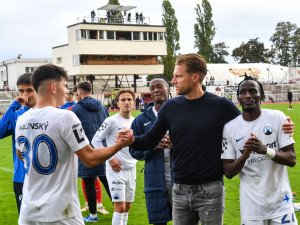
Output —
<point x="48" y="139"/>
<point x="108" y="131"/>
<point x="265" y="190"/>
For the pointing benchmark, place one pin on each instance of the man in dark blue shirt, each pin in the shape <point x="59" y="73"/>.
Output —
<point x="69" y="101"/>
<point x="195" y="121"/>
<point x="27" y="98"/>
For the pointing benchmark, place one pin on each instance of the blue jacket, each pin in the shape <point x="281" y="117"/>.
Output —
<point x="157" y="200"/>
<point x="91" y="113"/>
<point x="7" y="128"/>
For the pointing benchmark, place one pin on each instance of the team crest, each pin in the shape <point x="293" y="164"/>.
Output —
<point x="116" y="196"/>
<point x="268" y="130"/>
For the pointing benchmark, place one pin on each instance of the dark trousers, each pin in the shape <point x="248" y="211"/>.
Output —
<point x="18" y="189"/>
<point x="90" y="190"/>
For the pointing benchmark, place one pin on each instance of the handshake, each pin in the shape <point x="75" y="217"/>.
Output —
<point x="125" y="136"/>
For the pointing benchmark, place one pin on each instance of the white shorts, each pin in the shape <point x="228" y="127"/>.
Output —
<point x="288" y="219"/>
<point x="122" y="184"/>
<point x="70" y="221"/>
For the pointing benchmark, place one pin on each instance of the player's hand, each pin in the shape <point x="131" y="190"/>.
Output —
<point x="255" y="145"/>
<point x="164" y="142"/>
<point x="125" y="136"/>
<point x="289" y="127"/>
<point x="115" y="165"/>
<point x="22" y="99"/>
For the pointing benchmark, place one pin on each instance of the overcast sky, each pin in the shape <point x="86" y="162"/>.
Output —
<point x="33" y="27"/>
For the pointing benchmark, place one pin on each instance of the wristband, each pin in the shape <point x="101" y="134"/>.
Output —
<point x="270" y="153"/>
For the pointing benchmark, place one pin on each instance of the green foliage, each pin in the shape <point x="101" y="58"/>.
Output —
<point x="169" y="20"/>
<point x="285" y="43"/>
<point x="251" y="52"/>
<point x="220" y="52"/>
<point x="204" y="31"/>
<point x="113" y="2"/>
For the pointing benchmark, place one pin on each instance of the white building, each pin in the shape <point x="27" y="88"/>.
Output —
<point x="112" y="49"/>
<point x="11" y="70"/>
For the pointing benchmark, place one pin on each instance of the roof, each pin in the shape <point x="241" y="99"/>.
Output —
<point x="116" y="7"/>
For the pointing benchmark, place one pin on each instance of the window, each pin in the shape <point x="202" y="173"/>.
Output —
<point x="75" y="60"/>
<point x="2" y="75"/>
<point x="132" y="57"/>
<point x="83" y="34"/>
<point x="122" y="35"/>
<point x="150" y="36"/>
<point x="101" y="34"/>
<point x="110" y="35"/>
<point x="29" y="69"/>
<point x="161" y="36"/>
<point x="135" y="35"/>
<point x="78" y="35"/>
<point x="101" y="57"/>
<point x="93" y="34"/>
<point x="155" y="36"/>
<point x="145" y="35"/>
<point x="117" y="57"/>
<point x="59" y="60"/>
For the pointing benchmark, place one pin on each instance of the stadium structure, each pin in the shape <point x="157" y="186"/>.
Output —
<point x="113" y="49"/>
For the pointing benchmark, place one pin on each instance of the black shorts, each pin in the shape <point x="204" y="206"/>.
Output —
<point x="290" y="100"/>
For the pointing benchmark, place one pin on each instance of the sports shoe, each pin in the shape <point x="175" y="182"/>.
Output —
<point x="102" y="210"/>
<point x="88" y="219"/>
<point x="85" y="208"/>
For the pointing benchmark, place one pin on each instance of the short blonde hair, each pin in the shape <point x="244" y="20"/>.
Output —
<point x="194" y="64"/>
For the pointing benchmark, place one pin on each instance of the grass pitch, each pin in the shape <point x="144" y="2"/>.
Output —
<point x="138" y="212"/>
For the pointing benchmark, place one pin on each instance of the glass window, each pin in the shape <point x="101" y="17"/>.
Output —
<point x="145" y="34"/>
<point x="93" y="34"/>
<point x="75" y="60"/>
<point x="155" y="36"/>
<point x="117" y="57"/>
<point x="161" y="36"/>
<point x="110" y="35"/>
<point x="59" y="60"/>
<point x="101" y="57"/>
<point x="29" y="69"/>
<point x="121" y="35"/>
<point x="78" y="35"/>
<point x="83" y="34"/>
<point x="150" y="36"/>
<point x="132" y="57"/>
<point x="101" y="34"/>
<point x="136" y="35"/>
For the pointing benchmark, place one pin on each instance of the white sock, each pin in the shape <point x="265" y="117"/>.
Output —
<point x="125" y="218"/>
<point x="93" y="215"/>
<point x="117" y="218"/>
<point x="99" y="205"/>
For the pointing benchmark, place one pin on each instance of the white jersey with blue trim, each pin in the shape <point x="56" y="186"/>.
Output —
<point x="108" y="131"/>
<point x="265" y="190"/>
<point x="48" y="139"/>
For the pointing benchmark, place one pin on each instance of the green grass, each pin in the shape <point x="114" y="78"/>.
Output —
<point x="138" y="213"/>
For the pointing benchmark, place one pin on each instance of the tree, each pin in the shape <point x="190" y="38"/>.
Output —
<point x="285" y="43"/>
<point x="169" y="20"/>
<point x="220" y="52"/>
<point x="251" y="52"/>
<point x="204" y="31"/>
<point x="113" y="2"/>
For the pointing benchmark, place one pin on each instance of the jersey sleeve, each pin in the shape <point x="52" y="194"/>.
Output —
<point x="102" y="133"/>
<point x="73" y="132"/>
<point x="6" y="126"/>
<point x="283" y="139"/>
<point x="228" y="151"/>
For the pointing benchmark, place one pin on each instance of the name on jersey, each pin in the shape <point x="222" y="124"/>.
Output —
<point x="34" y="126"/>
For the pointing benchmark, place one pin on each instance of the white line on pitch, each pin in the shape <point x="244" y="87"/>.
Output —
<point x="8" y="170"/>
<point x="7" y="193"/>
